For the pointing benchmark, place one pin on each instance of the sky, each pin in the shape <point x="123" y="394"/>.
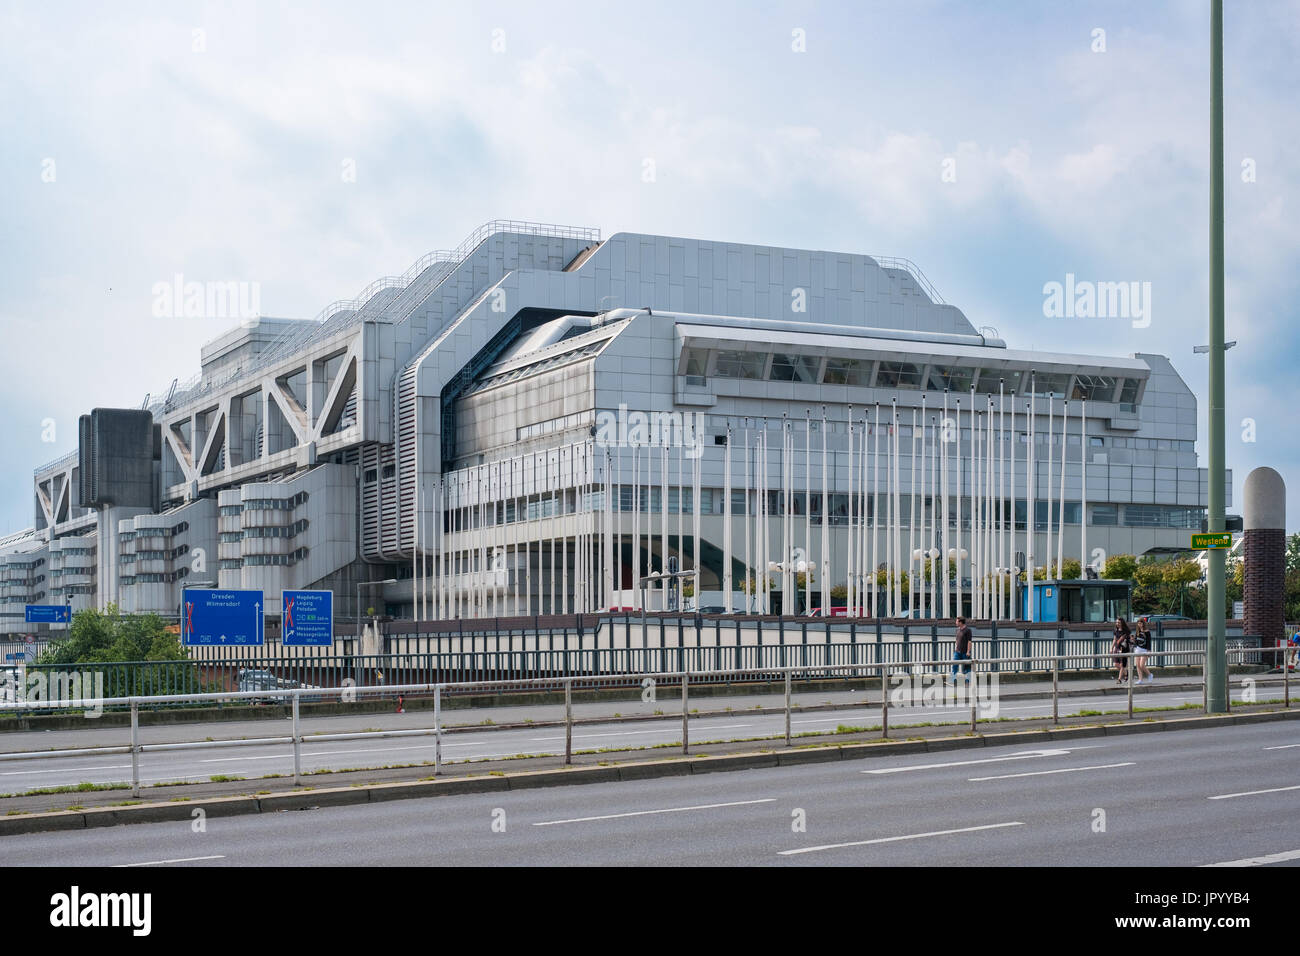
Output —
<point x="307" y="150"/>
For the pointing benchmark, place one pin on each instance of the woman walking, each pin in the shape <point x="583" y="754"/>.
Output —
<point x="1141" y="648"/>
<point x="1122" y="644"/>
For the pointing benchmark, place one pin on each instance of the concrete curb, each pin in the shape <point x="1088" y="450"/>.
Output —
<point x="183" y="810"/>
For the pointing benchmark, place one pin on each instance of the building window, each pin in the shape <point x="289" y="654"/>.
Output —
<point x="794" y="368"/>
<point x="955" y="378"/>
<point x="1093" y="388"/>
<point x="1051" y="385"/>
<point x="1105" y="515"/>
<point x="697" y="362"/>
<point x="740" y="364"/>
<point x="898" y="375"/>
<point x="847" y="371"/>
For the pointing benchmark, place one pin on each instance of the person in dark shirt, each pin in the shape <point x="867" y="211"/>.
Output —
<point x="1122" y="644"/>
<point x="963" y="649"/>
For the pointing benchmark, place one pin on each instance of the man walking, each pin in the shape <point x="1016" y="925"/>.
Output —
<point x="963" y="649"/>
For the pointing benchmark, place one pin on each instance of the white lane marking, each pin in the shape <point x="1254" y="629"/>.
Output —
<point x="1283" y="747"/>
<point x="1260" y="860"/>
<point x="183" y="859"/>
<point x="1252" y="793"/>
<point x="642" y="733"/>
<point x="1040" y="773"/>
<point x="1026" y="755"/>
<point x="895" y="839"/>
<point x="644" y="813"/>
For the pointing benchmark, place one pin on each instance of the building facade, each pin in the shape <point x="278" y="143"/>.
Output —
<point x="536" y="421"/>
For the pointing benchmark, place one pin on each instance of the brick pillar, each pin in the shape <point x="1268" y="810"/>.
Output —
<point x="1264" y="547"/>
<point x="1264" y="552"/>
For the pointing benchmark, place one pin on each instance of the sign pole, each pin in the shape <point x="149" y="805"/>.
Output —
<point x="1216" y="670"/>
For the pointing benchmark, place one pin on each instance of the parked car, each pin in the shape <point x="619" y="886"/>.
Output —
<point x="1155" y="618"/>
<point x="255" y="680"/>
<point x="712" y="609"/>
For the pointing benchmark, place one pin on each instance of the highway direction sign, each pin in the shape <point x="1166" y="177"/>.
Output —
<point x="48" y="613"/>
<point x="221" y="617"/>
<point x="307" y="618"/>
<point x="1218" y="539"/>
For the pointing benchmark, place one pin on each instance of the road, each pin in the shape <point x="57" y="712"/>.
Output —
<point x="257" y="760"/>
<point x="1194" y="798"/>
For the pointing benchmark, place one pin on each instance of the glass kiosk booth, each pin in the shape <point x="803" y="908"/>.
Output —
<point x="1086" y="600"/>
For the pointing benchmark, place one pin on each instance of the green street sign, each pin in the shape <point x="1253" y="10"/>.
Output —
<point x="1206" y="542"/>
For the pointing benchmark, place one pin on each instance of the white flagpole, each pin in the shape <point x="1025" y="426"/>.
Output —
<point x="1051" y="451"/>
<point x="726" y="523"/>
<point x="697" y="465"/>
<point x="912" y="503"/>
<point x="864" y="568"/>
<point x="751" y="579"/>
<point x="1031" y="503"/>
<point x="1060" y="526"/>
<point x="826" y="526"/>
<point x="1083" y="473"/>
<point x="875" y="513"/>
<point x="807" y="511"/>
<point x="958" y="471"/>
<point x="1010" y="530"/>
<point x="1002" y="562"/>
<point x="991" y="535"/>
<point x="945" y="540"/>
<point x="848" y="553"/>
<point x="898" y="519"/>
<point x="935" y="536"/>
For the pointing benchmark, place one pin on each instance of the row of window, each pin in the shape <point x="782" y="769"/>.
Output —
<point x="263" y="560"/>
<point x="551" y="361"/>
<point x="277" y="531"/>
<point x="863" y="373"/>
<point x="650" y="501"/>
<point x="276" y="504"/>
<point x="554" y="425"/>
<point x="154" y="555"/>
<point x="74" y="589"/>
<point x="175" y="529"/>
<point x="371" y="474"/>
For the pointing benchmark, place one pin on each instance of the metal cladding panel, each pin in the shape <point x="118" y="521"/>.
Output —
<point x="116" y="456"/>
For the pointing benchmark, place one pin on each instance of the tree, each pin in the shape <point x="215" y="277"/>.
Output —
<point x="135" y="653"/>
<point x="1293" y="553"/>
<point x="107" y="636"/>
<point x="1120" y="567"/>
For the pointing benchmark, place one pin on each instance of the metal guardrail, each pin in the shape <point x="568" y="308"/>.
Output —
<point x="907" y="265"/>
<point x="683" y="679"/>
<point x="543" y="654"/>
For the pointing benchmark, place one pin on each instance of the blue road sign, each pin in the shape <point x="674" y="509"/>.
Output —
<point x="48" y="613"/>
<point x="221" y="617"/>
<point x="307" y="618"/>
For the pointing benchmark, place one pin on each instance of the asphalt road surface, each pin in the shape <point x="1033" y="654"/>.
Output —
<point x="1216" y="796"/>
<point x="256" y="760"/>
